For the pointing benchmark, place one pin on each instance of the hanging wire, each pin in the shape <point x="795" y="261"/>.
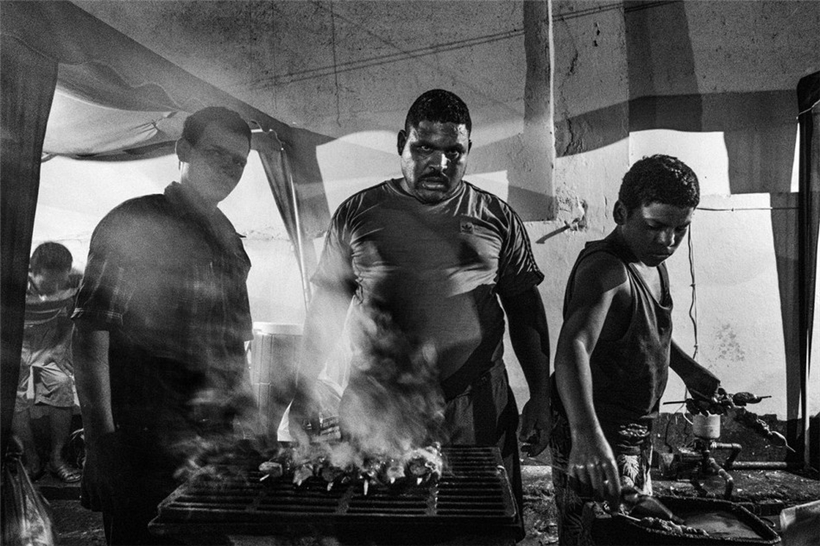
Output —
<point x="693" y="316"/>
<point x="693" y="307"/>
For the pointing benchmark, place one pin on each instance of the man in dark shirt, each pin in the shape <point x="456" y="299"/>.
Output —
<point x="162" y="317"/>
<point x="615" y="346"/>
<point x="424" y="263"/>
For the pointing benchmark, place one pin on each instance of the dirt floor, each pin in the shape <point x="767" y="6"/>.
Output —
<point x="540" y="512"/>
<point x="763" y="492"/>
<point x="77" y="526"/>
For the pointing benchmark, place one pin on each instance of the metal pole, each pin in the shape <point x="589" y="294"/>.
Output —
<point x="299" y="240"/>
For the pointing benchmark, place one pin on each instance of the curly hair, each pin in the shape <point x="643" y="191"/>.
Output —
<point x="196" y="123"/>
<point x="51" y="256"/>
<point x="438" y="105"/>
<point x="659" y="179"/>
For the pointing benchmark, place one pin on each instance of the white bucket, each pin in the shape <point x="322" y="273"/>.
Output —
<point x="274" y="353"/>
<point x="706" y="426"/>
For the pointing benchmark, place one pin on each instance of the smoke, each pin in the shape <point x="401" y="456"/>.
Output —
<point x="391" y="409"/>
<point x="393" y="402"/>
<point x="225" y="431"/>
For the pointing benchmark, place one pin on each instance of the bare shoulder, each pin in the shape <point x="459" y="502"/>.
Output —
<point x="599" y="290"/>
<point x="601" y="297"/>
<point x="600" y="273"/>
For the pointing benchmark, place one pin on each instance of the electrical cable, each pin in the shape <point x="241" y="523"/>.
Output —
<point x="741" y="209"/>
<point x="435" y="49"/>
<point x="693" y="310"/>
<point x="693" y="307"/>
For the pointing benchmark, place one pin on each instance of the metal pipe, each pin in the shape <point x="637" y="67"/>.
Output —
<point x="730" y="482"/>
<point x="298" y="220"/>
<point x="736" y="448"/>
<point x="765" y="465"/>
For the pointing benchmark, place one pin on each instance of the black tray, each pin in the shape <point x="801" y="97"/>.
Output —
<point x="620" y="531"/>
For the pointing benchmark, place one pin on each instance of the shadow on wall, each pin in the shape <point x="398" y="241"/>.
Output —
<point x="760" y="131"/>
<point x="529" y="197"/>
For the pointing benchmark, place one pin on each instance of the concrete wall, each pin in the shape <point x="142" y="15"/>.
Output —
<point x="717" y="78"/>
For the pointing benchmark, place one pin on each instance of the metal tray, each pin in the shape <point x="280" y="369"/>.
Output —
<point x="622" y="531"/>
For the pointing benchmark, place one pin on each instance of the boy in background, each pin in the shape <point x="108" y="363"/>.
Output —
<point x="46" y="384"/>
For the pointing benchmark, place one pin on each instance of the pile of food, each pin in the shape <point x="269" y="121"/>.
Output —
<point x="670" y="527"/>
<point x="342" y="464"/>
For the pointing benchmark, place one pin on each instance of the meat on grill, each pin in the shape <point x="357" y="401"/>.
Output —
<point x="338" y="464"/>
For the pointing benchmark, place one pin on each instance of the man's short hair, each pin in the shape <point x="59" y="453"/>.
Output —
<point x="51" y="256"/>
<point x="659" y="179"/>
<point x="438" y="105"/>
<point x="196" y="123"/>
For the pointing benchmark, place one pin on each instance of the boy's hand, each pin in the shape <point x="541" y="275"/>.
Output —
<point x="592" y="466"/>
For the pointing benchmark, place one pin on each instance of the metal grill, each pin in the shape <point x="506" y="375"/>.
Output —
<point x="473" y="493"/>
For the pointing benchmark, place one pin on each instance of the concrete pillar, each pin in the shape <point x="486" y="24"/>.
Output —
<point x="531" y="175"/>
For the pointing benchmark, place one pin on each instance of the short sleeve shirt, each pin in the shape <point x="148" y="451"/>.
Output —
<point x="436" y="270"/>
<point x="169" y="284"/>
<point x="48" y="326"/>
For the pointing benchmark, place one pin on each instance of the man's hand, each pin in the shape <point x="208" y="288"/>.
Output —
<point x="303" y="410"/>
<point x="536" y="424"/>
<point x="592" y="466"/>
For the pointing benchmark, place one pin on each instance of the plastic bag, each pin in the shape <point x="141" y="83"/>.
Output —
<point x="27" y="517"/>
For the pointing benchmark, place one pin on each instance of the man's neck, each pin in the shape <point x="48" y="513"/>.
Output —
<point x="194" y="199"/>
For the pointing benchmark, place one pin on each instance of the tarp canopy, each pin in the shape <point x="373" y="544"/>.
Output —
<point x="115" y="92"/>
<point x="83" y="128"/>
<point x="103" y="96"/>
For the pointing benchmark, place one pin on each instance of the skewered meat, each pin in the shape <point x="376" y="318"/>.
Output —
<point x="341" y="463"/>
<point x="670" y="527"/>
<point x="333" y="474"/>
<point x="394" y="470"/>
<point x="303" y="472"/>
<point x="761" y="427"/>
<point x="279" y="464"/>
<point x="370" y="473"/>
<point x="425" y="463"/>
<point x="743" y="398"/>
<point x="271" y="469"/>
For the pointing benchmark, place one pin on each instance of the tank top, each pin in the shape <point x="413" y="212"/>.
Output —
<point x="629" y="374"/>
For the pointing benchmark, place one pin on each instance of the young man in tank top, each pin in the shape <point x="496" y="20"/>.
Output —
<point x="615" y="346"/>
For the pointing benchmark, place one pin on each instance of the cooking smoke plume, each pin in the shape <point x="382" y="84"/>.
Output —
<point x="393" y="402"/>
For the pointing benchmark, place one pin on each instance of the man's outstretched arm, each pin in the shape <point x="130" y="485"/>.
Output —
<point x="702" y="383"/>
<point x="324" y="324"/>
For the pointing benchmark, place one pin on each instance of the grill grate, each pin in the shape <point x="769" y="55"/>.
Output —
<point x="473" y="491"/>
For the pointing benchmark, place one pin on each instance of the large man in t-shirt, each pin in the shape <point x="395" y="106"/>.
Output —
<point x="428" y="260"/>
